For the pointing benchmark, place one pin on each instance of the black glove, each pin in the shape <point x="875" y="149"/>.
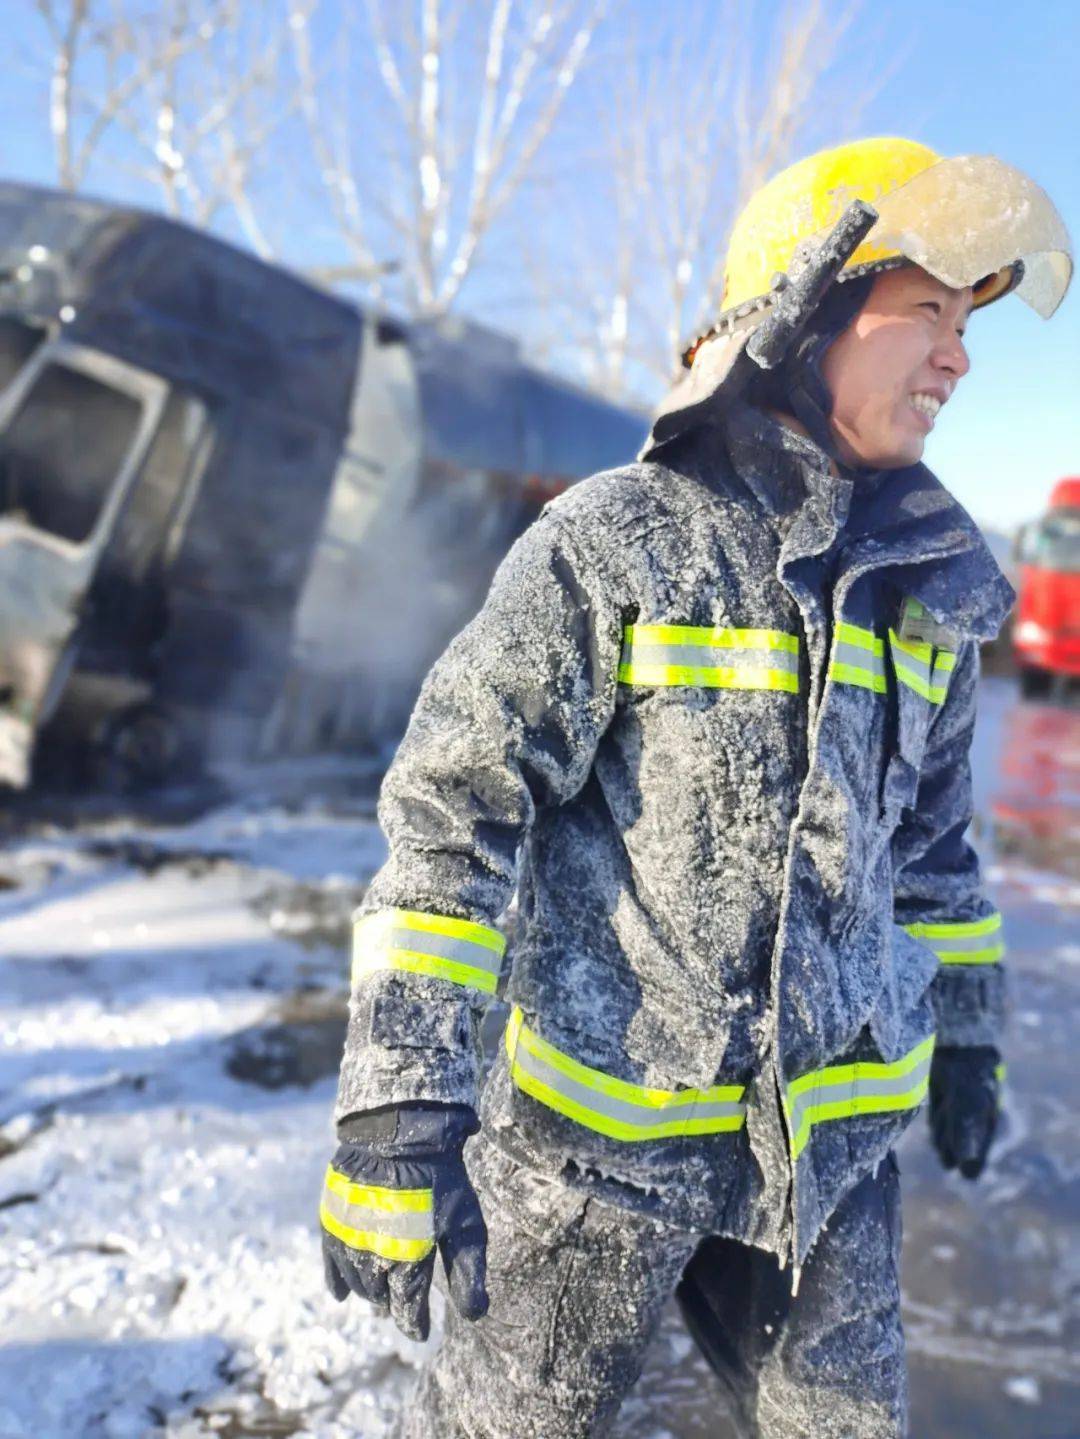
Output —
<point x="395" y="1190"/>
<point x="964" y="1104"/>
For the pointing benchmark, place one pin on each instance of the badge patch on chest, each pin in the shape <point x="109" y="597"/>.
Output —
<point x="918" y="626"/>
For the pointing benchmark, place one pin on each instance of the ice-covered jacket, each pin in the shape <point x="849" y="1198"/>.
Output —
<point x="712" y="722"/>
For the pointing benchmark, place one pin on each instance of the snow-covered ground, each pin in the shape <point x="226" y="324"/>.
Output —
<point x="171" y="1008"/>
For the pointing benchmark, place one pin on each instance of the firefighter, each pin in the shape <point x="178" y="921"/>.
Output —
<point x="712" y="724"/>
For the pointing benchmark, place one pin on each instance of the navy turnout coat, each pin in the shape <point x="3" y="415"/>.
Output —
<point x="712" y="726"/>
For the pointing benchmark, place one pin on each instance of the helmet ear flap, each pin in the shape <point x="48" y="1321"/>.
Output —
<point x="797" y="386"/>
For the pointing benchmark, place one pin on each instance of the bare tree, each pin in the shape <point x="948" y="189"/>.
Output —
<point x="181" y="96"/>
<point x="686" y="144"/>
<point x="593" y="168"/>
<point x="434" y="124"/>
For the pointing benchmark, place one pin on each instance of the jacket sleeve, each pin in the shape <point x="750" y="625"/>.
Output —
<point x="507" y="720"/>
<point x="938" y="889"/>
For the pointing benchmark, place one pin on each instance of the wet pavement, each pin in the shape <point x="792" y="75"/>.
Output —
<point x="991" y="1270"/>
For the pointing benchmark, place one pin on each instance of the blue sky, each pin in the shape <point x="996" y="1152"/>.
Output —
<point x="963" y="78"/>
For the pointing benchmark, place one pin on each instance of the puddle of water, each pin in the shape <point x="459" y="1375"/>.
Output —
<point x="1036" y="803"/>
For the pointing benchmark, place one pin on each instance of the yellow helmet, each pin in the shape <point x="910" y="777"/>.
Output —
<point x="970" y="220"/>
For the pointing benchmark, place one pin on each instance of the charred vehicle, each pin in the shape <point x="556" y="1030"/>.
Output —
<point x="239" y="516"/>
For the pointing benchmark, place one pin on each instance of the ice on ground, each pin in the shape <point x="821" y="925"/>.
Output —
<point x="1024" y="1388"/>
<point x="160" y="1270"/>
<point x="171" y="1000"/>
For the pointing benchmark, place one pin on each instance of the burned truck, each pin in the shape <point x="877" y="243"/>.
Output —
<point x="240" y="516"/>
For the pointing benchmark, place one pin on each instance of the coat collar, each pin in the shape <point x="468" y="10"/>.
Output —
<point x="902" y="519"/>
<point x="790" y="477"/>
<point x="912" y="520"/>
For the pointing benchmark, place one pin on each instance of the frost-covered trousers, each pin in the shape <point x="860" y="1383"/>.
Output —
<point x="577" y="1289"/>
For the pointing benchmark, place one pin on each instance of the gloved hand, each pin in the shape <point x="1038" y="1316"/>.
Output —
<point x="396" y="1189"/>
<point x="964" y="1104"/>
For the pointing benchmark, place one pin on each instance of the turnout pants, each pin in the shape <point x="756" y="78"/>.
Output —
<point x="577" y="1289"/>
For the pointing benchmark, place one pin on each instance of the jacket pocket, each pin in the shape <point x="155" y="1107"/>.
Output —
<point x="400" y="1021"/>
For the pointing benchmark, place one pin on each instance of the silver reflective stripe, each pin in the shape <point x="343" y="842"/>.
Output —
<point x="913" y="664"/>
<point x="944" y="664"/>
<point x="439" y="945"/>
<point x="971" y="941"/>
<point x="965" y="943"/>
<point x="847" y="1091"/>
<point x="416" y="1225"/>
<point x="709" y="657"/>
<point x="615" y="1107"/>
<point x="445" y="946"/>
<point x="859" y="658"/>
<point x="624" y="1111"/>
<point x="916" y="667"/>
<point x="396" y="1224"/>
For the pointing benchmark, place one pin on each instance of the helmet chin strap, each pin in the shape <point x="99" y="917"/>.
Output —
<point x="797" y="386"/>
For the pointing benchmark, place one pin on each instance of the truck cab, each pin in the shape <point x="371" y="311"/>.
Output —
<point x="1046" y="637"/>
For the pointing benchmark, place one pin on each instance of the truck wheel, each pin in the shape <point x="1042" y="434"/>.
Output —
<point x="139" y="749"/>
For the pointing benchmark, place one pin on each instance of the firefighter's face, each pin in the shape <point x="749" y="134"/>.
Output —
<point x="895" y="366"/>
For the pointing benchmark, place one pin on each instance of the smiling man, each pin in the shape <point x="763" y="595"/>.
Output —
<point x="894" y="367"/>
<point x="712" y="723"/>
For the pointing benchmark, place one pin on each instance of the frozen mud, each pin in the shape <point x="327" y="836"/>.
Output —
<point x="171" y="1013"/>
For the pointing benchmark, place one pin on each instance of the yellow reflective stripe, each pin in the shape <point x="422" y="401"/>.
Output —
<point x="955" y="929"/>
<point x="608" y="1083"/>
<point x="424" y="923"/>
<point x="917" y="649"/>
<point x="843" y="1091"/>
<point x="944" y="664"/>
<point x="917" y="683"/>
<point x="717" y="637"/>
<point x="863" y="639"/>
<point x="1000" y="1072"/>
<point x="407" y="1251"/>
<point x="436" y="968"/>
<point x="396" y="1224"/>
<point x="962" y="941"/>
<point x="924" y="671"/>
<point x="862" y="1068"/>
<point x="709" y="657"/>
<point x="713" y="678"/>
<point x="935" y="694"/>
<point x="855" y="675"/>
<point x="612" y="1106"/>
<point x="373" y="1196"/>
<point x="441" y="946"/>
<point x="858" y="658"/>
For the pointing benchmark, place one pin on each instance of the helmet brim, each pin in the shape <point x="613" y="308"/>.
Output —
<point x="973" y="220"/>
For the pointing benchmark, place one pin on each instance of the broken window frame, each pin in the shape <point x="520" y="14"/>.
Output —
<point x="41" y="328"/>
<point x="150" y="391"/>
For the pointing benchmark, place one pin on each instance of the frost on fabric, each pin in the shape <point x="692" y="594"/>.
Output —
<point x="967" y="217"/>
<point x="705" y="895"/>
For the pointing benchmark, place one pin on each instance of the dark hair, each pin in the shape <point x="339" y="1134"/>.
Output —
<point x="797" y="386"/>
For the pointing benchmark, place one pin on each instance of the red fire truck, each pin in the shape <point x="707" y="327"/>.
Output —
<point x="1047" y="632"/>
